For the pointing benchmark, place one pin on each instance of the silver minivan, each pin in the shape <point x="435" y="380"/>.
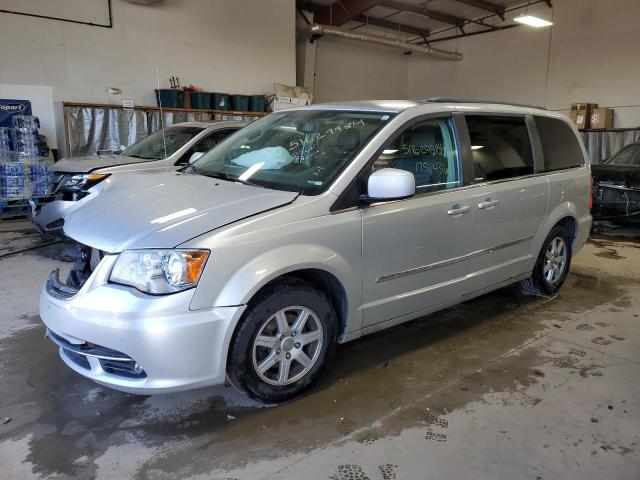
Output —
<point x="313" y="227"/>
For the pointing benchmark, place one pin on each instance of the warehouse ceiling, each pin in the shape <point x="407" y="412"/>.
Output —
<point x="420" y="21"/>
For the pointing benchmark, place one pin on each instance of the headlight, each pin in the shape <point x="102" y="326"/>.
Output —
<point x="159" y="271"/>
<point x="80" y="182"/>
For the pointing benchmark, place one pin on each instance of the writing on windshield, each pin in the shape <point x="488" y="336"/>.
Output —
<point x="297" y="151"/>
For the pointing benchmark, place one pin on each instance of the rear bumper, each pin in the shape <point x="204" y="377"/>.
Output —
<point x="616" y="212"/>
<point x="158" y="344"/>
<point x="616" y="202"/>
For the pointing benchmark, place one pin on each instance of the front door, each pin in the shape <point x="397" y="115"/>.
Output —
<point x="415" y="250"/>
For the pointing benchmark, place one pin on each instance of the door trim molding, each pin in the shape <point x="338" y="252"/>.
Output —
<point x="450" y="261"/>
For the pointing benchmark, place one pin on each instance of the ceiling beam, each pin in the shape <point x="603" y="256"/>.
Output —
<point x="485" y="5"/>
<point x="425" y="12"/>
<point x="342" y="11"/>
<point x="396" y="27"/>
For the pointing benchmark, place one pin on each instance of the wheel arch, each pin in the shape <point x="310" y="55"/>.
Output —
<point x="321" y="280"/>
<point x="318" y="278"/>
<point x="564" y="214"/>
<point x="322" y="268"/>
<point x="571" y="224"/>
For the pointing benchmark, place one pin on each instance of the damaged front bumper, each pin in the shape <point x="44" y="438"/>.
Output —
<point x="616" y="202"/>
<point x="137" y="343"/>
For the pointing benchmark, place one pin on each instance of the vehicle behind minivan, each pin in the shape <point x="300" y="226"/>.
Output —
<point x="78" y="179"/>
<point x="312" y="227"/>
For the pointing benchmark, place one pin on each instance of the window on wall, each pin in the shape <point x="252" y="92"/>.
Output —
<point x="500" y="147"/>
<point x="560" y="146"/>
<point x="427" y="150"/>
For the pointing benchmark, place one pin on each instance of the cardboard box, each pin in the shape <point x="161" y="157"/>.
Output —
<point x="284" y="103"/>
<point x="584" y="106"/>
<point x="601" y="118"/>
<point x="580" y="118"/>
<point x="581" y="114"/>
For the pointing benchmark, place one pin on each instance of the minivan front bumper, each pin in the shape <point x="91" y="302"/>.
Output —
<point x="138" y="343"/>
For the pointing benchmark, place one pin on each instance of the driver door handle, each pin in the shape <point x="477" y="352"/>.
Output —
<point x="458" y="210"/>
<point x="488" y="203"/>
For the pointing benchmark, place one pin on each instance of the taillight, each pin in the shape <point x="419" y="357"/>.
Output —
<point x="591" y="194"/>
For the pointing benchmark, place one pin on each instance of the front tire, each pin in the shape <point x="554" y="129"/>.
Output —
<point x="283" y="343"/>
<point x="552" y="266"/>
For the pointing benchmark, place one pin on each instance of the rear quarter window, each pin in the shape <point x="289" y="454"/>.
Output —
<point x="560" y="146"/>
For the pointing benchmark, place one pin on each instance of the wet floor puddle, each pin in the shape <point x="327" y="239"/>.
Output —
<point x="412" y="375"/>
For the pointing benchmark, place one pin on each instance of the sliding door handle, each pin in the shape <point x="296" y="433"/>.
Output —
<point x="489" y="203"/>
<point x="458" y="210"/>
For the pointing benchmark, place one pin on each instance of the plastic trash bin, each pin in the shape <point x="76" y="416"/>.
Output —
<point x="240" y="103"/>
<point x="256" y="103"/>
<point x="201" y="100"/>
<point x="220" y="101"/>
<point x="169" y="97"/>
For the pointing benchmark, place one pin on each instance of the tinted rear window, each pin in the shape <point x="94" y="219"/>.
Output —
<point x="501" y="147"/>
<point x="560" y="145"/>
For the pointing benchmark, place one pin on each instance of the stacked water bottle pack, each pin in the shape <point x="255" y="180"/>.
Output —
<point x="25" y="167"/>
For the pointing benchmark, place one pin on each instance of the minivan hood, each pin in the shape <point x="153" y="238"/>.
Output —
<point x="88" y="163"/>
<point x="162" y="210"/>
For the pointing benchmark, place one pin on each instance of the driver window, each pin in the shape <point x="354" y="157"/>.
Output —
<point x="427" y="150"/>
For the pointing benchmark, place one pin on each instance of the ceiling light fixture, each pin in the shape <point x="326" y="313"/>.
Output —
<point x="533" y="21"/>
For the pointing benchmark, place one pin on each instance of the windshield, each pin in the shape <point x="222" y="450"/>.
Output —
<point x="626" y="156"/>
<point x="300" y="151"/>
<point x="158" y="146"/>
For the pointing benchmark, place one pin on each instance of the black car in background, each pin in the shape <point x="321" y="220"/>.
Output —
<point x="616" y="194"/>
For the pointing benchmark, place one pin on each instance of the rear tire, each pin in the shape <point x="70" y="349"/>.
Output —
<point x="552" y="266"/>
<point x="284" y="342"/>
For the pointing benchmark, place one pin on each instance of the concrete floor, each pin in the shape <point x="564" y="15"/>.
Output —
<point x="502" y="387"/>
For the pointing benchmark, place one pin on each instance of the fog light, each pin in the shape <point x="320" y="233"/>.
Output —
<point x="137" y="368"/>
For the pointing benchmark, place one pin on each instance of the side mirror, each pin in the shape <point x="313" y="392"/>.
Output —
<point x="195" y="156"/>
<point x="390" y="184"/>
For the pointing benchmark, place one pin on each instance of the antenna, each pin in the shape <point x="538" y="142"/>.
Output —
<point x="164" y="141"/>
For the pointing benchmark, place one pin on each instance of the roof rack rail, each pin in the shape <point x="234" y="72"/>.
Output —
<point x="462" y="100"/>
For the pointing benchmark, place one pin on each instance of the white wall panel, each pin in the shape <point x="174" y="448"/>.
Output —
<point x="234" y="46"/>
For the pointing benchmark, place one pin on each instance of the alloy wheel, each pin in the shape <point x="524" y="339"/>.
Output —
<point x="555" y="260"/>
<point x="288" y="345"/>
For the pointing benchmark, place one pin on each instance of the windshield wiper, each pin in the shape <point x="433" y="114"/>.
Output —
<point x="141" y="158"/>
<point x="228" y="178"/>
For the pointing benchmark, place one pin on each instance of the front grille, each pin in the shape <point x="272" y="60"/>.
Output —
<point x="86" y="261"/>
<point x="80" y="360"/>
<point x="111" y="361"/>
<point x="56" y="181"/>
<point x="55" y="225"/>
<point x="123" y="369"/>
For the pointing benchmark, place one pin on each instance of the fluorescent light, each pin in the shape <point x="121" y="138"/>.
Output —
<point x="389" y="152"/>
<point x="476" y="147"/>
<point x="532" y="21"/>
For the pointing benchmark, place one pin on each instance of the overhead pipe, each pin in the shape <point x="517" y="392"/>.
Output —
<point x="318" y="29"/>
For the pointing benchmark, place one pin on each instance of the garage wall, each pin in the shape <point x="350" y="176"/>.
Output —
<point x="236" y="46"/>
<point x="349" y="70"/>
<point x="589" y="55"/>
